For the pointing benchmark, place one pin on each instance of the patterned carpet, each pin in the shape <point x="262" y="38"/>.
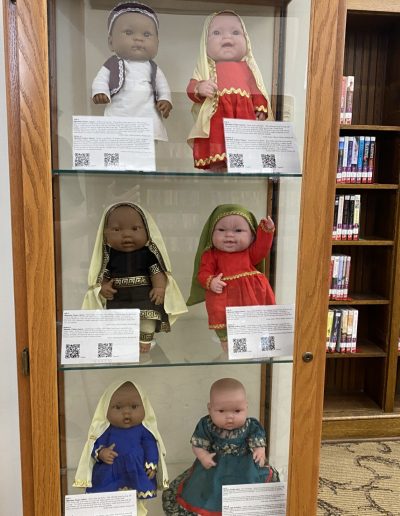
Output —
<point x="360" y="478"/>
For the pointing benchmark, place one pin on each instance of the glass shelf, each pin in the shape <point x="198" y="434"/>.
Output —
<point x="79" y="172"/>
<point x="201" y="348"/>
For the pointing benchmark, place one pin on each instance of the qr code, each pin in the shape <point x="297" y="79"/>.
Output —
<point x="104" y="350"/>
<point x="72" y="351"/>
<point x="236" y="160"/>
<point x="268" y="343"/>
<point x="240" y="345"/>
<point x="111" y="159"/>
<point x="268" y="160"/>
<point x="81" y="159"/>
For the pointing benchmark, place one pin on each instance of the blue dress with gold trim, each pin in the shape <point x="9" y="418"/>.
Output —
<point x="135" y="446"/>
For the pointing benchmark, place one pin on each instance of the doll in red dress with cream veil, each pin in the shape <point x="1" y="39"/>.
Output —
<point x="226" y="83"/>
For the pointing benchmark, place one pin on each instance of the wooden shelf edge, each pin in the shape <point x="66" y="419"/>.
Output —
<point x="364" y="350"/>
<point x="367" y="186"/>
<point x="367" y="127"/>
<point x="363" y="427"/>
<point x="358" y="300"/>
<point x="364" y="242"/>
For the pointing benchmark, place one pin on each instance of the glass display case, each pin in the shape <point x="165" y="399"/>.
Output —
<point x="180" y="194"/>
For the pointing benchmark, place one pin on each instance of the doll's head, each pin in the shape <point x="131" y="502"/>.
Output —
<point x="133" y="31"/>
<point x="232" y="234"/>
<point x="226" y="39"/>
<point x="126" y="407"/>
<point x="228" y="404"/>
<point x="124" y="229"/>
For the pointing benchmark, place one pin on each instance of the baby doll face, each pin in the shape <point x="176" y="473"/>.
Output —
<point x="226" y="40"/>
<point x="232" y="234"/>
<point x="134" y="37"/>
<point x="126" y="407"/>
<point x="228" y="408"/>
<point x="125" y="230"/>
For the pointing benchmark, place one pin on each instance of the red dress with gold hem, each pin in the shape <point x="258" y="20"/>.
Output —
<point x="246" y="286"/>
<point x="238" y="97"/>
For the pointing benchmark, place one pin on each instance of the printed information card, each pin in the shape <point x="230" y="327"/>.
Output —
<point x="254" y="499"/>
<point x="100" y="336"/>
<point x="113" y="143"/>
<point x="260" y="331"/>
<point x="118" y="503"/>
<point x="261" y="147"/>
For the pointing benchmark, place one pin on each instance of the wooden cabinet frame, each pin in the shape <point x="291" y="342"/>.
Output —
<point x="30" y="172"/>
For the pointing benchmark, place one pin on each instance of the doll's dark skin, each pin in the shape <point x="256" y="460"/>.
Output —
<point x="125" y="231"/>
<point x="125" y="411"/>
<point x="134" y="37"/>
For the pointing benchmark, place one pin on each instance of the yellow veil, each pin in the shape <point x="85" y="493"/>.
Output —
<point x="100" y="423"/>
<point x="174" y="304"/>
<point x="206" y="69"/>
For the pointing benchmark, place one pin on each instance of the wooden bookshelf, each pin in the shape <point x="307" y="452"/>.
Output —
<point x="362" y="389"/>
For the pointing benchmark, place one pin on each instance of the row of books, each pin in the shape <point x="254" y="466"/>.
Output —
<point x="346" y="219"/>
<point x="346" y="99"/>
<point x="339" y="277"/>
<point x="356" y="159"/>
<point x="341" y="333"/>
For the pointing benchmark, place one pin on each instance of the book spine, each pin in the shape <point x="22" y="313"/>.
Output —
<point x="356" y="217"/>
<point x="349" y="99"/>
<point x="345" y="153"/>
<point x="346" y="213"/>
<point x="364" y="176"/>
<point x="349" y="332"/>
<point x="350" y="227"/>
<point x="354" y="331"/>
<point x="340" y="218"/>
<point x="343" y="99"/>
<point x="335" y="335"/>
<point x="334" y="281"/>
<point x="354" y="158"/>
<point x="343" y="330"/>
<point x="335" y="216"/>
<point x="339" y="173"/>
<point x="346" y="276"/>
<point x="360" y="159"/>
<point x="329" y="329"/>
<point x="349" y="158"/>
<point x="339" y="287"/>
<point x="371" y="160"/>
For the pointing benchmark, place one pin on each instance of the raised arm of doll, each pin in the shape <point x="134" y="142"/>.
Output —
<point x="159" y="282"/>
<point x="205" y="457"/>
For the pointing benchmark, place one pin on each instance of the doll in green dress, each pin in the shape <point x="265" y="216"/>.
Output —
<point x="229" y="449"/>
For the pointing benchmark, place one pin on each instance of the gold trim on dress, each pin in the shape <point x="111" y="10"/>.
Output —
<point x="131" y="281"/>
<point x="208" y="282"/>
<point x="150" y="314"/>
<point x="217" y="326"/>
<point x="211" y="159"/>
<point x="240" y="275"/>
<point x="150" y="465"/>
<point x="236" y="91"/>
<point x="261" y="108"/>
<point x="146" y="494"/>
<point x="146" y="337"/>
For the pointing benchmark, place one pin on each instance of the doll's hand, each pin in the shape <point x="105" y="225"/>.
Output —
<point x="101" y="98"/>
<point x="108" y="455"/>
<point x="260" y="115"/>
<point x="217" y="285"/>
<point x="164" y="107"/>
<point x="151" y="473"/>
<point x="268" y="223"/>
<point x="107" y="290"/>
<point x="157" y="295"/>
<point x="259" y="456"/>
<point x="207" y="460"/>
<point x="206" y="88"/>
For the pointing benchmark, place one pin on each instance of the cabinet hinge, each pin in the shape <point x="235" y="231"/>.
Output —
<point x="25" y="362"/>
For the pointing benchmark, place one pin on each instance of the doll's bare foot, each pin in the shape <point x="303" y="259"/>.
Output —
<point x="224" y="345"/>
<point x="145" y="347"/>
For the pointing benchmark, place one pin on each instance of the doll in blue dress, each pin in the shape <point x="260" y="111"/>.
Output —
<point x="229" y="449"/>
<point x="124" y="449"/>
